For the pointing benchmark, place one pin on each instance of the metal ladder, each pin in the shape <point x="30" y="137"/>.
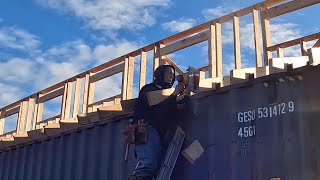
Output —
<point x="171" y="155"/>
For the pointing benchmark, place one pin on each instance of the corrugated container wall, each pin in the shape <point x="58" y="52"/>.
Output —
<point x="267" y="128"/>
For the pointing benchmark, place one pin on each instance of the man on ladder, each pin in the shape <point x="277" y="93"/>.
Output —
<point x="153" y="122"/>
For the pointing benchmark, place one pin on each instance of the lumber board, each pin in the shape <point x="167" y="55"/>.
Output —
<point x="212" y="57"/>
<point x="106" y="73"/>
<point x="169" y="61"/>
<point x="125" y="79"/>
<point x="314" y="56"/>
<point x="130" y="77"/>
<point x="30" y="113"/>
<point x="288" y="7"/>
<point x="218" y="49"/>
<point x="295" y="61"/>
<point x="12" y="111"/>
<point x="213" y="83"/>
<point x="257" y="41"/>
<point x="143" y="69"/>
<point x="236" y="38"/>
<point x="76" y="102"/>
<point x="51" y="95"/>
<point x="184" y="43"/>
<point x="85" y="93"/>
<point x="156" y="97"/>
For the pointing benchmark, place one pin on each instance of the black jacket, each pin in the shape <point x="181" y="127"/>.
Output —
<point x="161" y="116"/>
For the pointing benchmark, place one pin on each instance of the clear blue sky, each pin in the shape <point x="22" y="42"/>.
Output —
<point x="43" y="42"/>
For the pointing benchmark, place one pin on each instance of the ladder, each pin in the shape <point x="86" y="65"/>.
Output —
<point x="171" y="155"/>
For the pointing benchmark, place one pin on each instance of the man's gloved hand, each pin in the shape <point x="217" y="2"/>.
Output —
<point x="179" y="89"/>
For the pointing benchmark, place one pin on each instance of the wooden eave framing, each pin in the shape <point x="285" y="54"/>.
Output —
<point x="294" y="42"/>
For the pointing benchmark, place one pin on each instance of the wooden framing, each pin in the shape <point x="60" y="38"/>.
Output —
<point x="266" y="39"/>
<point x="212" y="57"/>
<point x="22" y="117"/>
<point x="106" y="73"/>
<point x="31" y="103"/>
<point x="169" y="61"/>
<point x="85" y="93"/>
<point x="143" y="69"/>
<point x="156" y="56"/>
<point x="317" y="44"/>
<point x="295" y="61"/>
<point x="236" y="38"/>
<point x="125" y="79"/>
<point x="219" y="49"/>
<point x="189" y="41"/>
<point x="303" y="47"/>
<point x="156" y="97"/>
<point x="130" y="77"/>
<point x="280" y="52"/>
<point x="257" y="42"/>
<point x="51" y="95"/>
<point x="76" y="98"/>
<point x="2" y="121"/>
<point x="90" y="94"/>
<point x="288" y="7"/>
<point x="314" y="56"/>
<point x="31" y="107"/>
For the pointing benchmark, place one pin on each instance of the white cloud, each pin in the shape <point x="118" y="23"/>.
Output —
<point x="8" y="94"/>
<point x="110" y="15"/>
<point x="16" y="38"/>
<point x="103" y="53"/>
<point x="16" y="70"/>
<point x="179" y="25"/>
<point x="216" y="12"/>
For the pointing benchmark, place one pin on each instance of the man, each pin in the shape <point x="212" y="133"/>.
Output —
<point x="158" y="119"/>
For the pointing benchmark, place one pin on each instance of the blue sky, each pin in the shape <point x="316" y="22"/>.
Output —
<point x="43" y="42"/>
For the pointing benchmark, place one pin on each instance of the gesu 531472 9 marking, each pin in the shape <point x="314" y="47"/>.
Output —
<point x="272" y="110"/>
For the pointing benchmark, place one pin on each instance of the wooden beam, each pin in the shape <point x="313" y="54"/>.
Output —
<point x="184" y="43"/>
<point x="143" y="69"/>
<point x="236" y="38"/>
<point x="317" y="44"/>
<point x="63" y="100"/>
<point x="90" y="94"/>
<point x="30" y="113"/>
<point x="257" y="41"/>
<point x="76" y="98"/>
<point x="125" y="79"/>
<point x="130" y="77"/>
<point x="212" y="57"/>
<point x="295" y="61"/>
<point x="106" y="73"/>
<point x="266" y="40"/>
<point x="12" y="111"/>
<point x="156" y="56"/>
<point x="303" y="47"/>
<point x="156" y="97"/>
<point x="169" y="61"/>
<point x="109" y="99"/>
<point x="294" y="42"/>
<point x="51" y="95"/>
<point x="22" y="117"/>
<point x="314" y="56"/>
<point x="68" y="101"/>
<point x="280" y="52"/>
<point x="39" y="112"/>
<point x="288" y="7"/>
<point x="85" y="93"/>
<point x="2" y="120"/>
<point x="219" y="49"/>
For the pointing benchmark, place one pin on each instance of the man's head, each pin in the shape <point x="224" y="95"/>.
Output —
<point x="164" y="76"/>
